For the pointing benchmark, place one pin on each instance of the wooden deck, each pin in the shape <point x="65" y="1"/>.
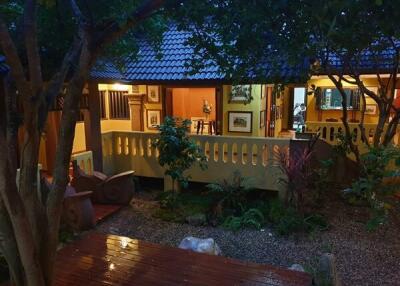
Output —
<point x="103" y="211"/>
<point x="109" y="260"/>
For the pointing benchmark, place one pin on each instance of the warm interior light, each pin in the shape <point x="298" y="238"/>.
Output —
<point x="120" y="87"/>
<point x="124" y="242"/>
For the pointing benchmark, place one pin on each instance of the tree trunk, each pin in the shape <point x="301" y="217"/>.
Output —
<point x="348" y="133"/>
<point x="9" y="248"/>
<point x="63" y="156"/>
<point x="380" y="126"/>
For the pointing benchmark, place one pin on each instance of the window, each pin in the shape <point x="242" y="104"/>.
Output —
<point x="119" y="107"/>
<point x="331" y="99"/>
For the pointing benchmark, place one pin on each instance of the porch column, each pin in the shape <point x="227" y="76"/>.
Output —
<point x="93" y="127"/>
<point x="136" y="108"/>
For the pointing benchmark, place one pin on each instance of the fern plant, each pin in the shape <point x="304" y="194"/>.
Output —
<point x="252" y="218"/>
<point x="232" y="193"/>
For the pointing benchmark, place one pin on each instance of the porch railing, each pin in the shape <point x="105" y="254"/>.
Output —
<point x="329" y="131"/>
<point x="252" y="157"/>
<point x="84" y="160"/>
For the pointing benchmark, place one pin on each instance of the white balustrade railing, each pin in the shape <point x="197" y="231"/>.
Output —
<point x="329" y="131"/>
<point x="84" y="160"/>
<point x="251" y="156"/>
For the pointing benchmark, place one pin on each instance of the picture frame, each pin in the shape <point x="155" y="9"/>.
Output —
<point x="153" y="94"/>
<point x="240" y="121"/>
<point x="262" y="118"/>
<point x="240" y="93"/>
<point x="370" y="109"/>
<point x="153" y="119"/>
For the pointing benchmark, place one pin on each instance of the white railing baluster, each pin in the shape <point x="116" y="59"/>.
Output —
<point x="251" y="156"/>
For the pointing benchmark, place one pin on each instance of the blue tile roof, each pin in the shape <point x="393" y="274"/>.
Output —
<point x="147" y="67"/>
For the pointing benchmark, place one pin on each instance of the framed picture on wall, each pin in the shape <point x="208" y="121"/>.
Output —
<point x="240" y="93"/>
<point x="370" y="109"/>
<point x="153" y="118"/>
<point x="153" y="94"/>
<point x="240" y="121"/>
<point x="262" y="118"/>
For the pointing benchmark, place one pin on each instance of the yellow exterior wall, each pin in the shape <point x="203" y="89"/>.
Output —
<point x="125" y="125"/>
<point x="120" y="125"/>
<point x="312" y="112"/>
<point x="79" y="140"/>
<point x="255" y="106"/>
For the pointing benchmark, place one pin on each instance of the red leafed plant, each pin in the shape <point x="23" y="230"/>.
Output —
<point x="296" y="166"/>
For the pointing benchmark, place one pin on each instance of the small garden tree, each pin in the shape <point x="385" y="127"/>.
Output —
<point x="177" y="151"/>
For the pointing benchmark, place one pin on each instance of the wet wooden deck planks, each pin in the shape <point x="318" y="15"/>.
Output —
<point x="103" y="211"/>
<point x="99" y="259"/>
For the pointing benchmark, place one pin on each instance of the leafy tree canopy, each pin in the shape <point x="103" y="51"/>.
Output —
<point x="57" y="27"/>
<point x="261" y="37"/>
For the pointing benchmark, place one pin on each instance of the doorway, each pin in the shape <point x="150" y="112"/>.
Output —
<point x="198" y="104"/>
<point x="298" y="107"/>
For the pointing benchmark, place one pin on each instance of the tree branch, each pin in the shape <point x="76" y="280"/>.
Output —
<point x="349" y="138"/>
<point x="13" y="59"/>
<point x="76" y="10"/>
<point x="32" y="48"/>
<point x="57" y="81"/>
<point x="115" y="31"/>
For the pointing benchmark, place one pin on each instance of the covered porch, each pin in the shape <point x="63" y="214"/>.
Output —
<point x="115" y="106"/>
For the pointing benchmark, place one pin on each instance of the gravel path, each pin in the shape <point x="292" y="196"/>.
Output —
<point x="363" y="258"/>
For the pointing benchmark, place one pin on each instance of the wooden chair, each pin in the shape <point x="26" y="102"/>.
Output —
<point x="77" y="213"/>
<point x="200" y="127"/>
<point x="211" y="127"/>
<point x="116" y="189"/>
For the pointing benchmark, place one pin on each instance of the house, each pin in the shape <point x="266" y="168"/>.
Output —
<point x="137" y="97"/>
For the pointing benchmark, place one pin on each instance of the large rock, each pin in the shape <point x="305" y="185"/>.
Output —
<point x="297" y="267"/>
<point x="207" y="245"/>
<point x="197" y="219"/>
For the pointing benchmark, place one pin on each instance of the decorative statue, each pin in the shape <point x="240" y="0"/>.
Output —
<point x="207" y="108"/>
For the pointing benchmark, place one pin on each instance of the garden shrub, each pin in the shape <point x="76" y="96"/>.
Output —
<point x="286" y="220"/>
<point x="252" y="218"/>
<point x="177" y="153"/>
<point x="231" y="194"/>
<point x="369" y="188"/>
<point x="296" y="165"/>
<point x="321" y="181"/>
